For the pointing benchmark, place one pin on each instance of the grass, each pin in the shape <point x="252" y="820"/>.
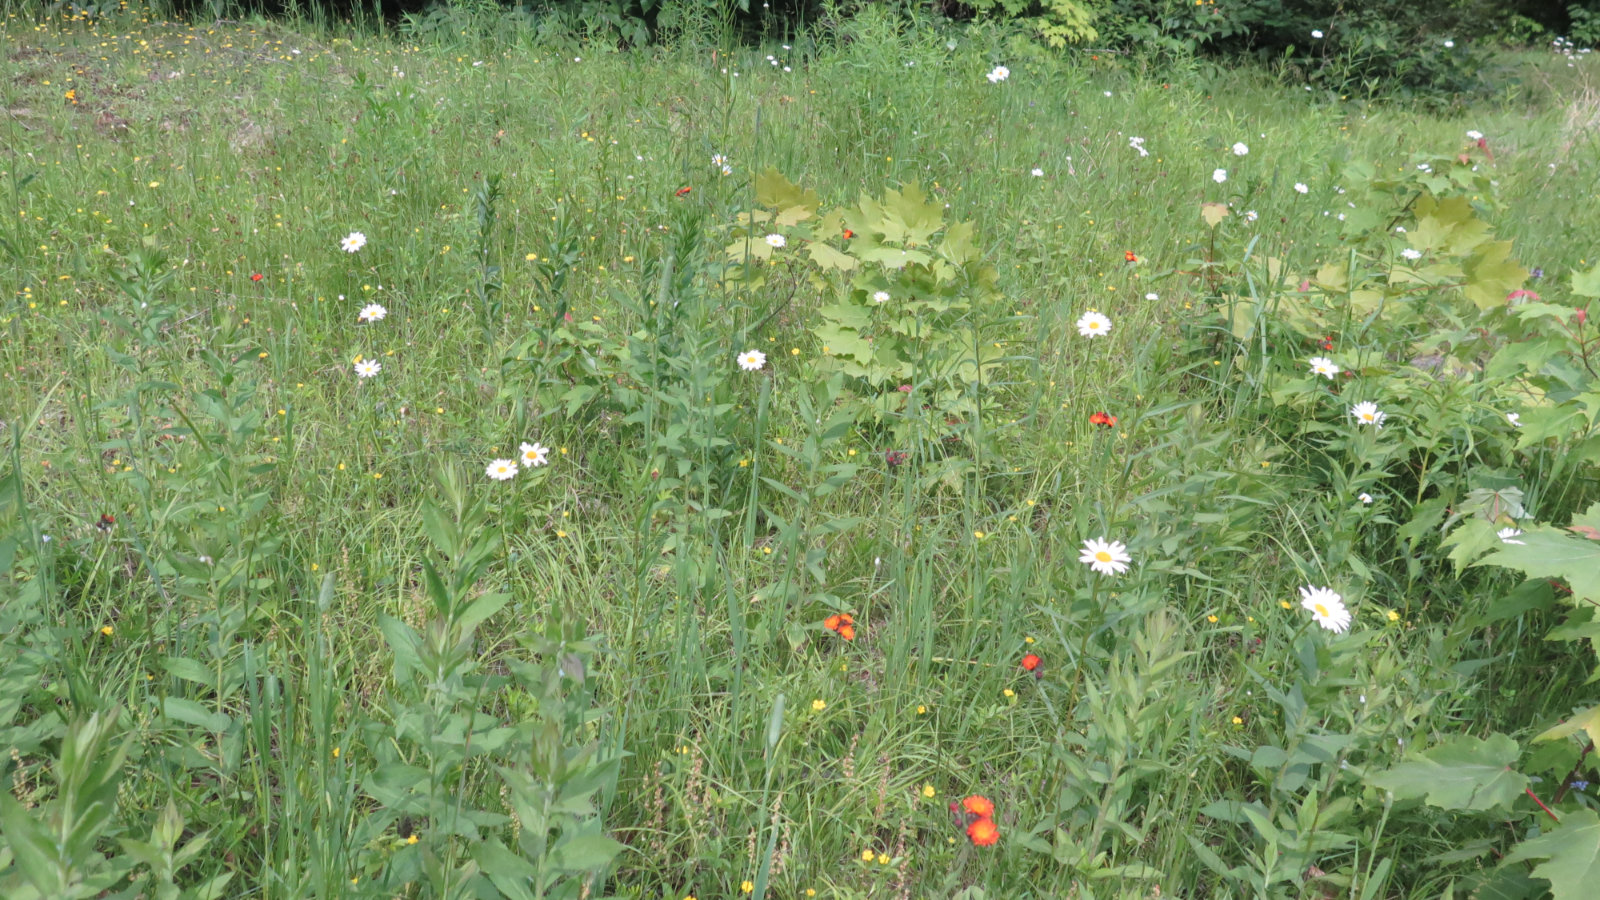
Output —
<point x="736" y="739"/>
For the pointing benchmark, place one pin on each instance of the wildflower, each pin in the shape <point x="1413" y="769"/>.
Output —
<point x="534" y="455"/>
<point x="1130" y="256"/>
<point x="928" y="791"/>
<point x="107" y="630"/>
<point x="1449" y="44"/>
<point x="1300" y="188"/>
<point x="1393" y="616"/>
<point x="1317" y="33"/>
<point x="1514" y="296"/>
<point x="1515" y="419"/>
<point x="1107" y="558"/>
<point x="1152" y="296"/>
<point x="367" y="368"/>
<point x="1219" y="175"/>
<point x="867" y="855"/>
<point x="372" y="312"/>
<point x="1327" y="606"/>
<point x="1137" y="143"/>
<point x="1365" y="498"/>
<point x="818" y="705"/>
<point x="752" y="360"/>
<point x="1251" y="215"/>
<point x="1475" y="135"/>
<point x="681" y="191"/>
<point x="106" y="523"/>
<point x="998" y="74"/>
<point x="1092" y="324"/>
<point x="1510" y="535"/>
<point x="880" y="296"/>
<point x="256" y="276"/>
<point x="718" y="160"/>
<point x="1104" y="420"/>
<point x="1037" y="172"/>
<point x="983" y="832"/>
<point x="1030" y="663"/>
<point x="501" y="469"/>
<point x="841" y="623"/>
<point x="1239" y="149"/>
<point x="896" y="457"/>
<point x="776" y="240"/>
<point x="1321" y="365"/>
<point x="353" y="241"/>
<point x="1367" y="413"/>
<point x="979" y="805"/>
<point x="1410" y="253"/>
<point x="747" y="886"/>
<point x="727" y="170"/>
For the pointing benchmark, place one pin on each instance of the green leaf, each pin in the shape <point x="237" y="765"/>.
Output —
<point x="1571" y="853"/>
<point x="1463" y="773"/>
<point x="777" y="192"/>
<point x="1587" y="284"/>
<point x="826" y="257"/>
<point x="31" y="841"/>
<point x="1492" y="274"/>
<point x="1546" y="552"/>
<point x="586" y="853"/>
<point x="192" y="713"/>
<point x="1213" y="213"/>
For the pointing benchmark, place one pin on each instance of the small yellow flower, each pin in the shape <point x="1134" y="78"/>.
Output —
<point x="978" y="535"/>
<point x="883" y="859"/>
<point x="1238" y="721"/>
<point x="818" y="705"/>
<point x="747" y="886"/>
<point x="107" y="630"/>
<point x="1211" y="619"/>
<point x="928" y="791"/>
<point x="867" y="855"/>
<point x="1010" y="693"/>
<point x="1285" y="604"/>
<point x="794" y="351"/>
<point x="921" y="710"/>
<point x="1028" y="639"/>
<point x="1393" y="616"/>
<point x="811" y="892"/>
<point x="411" y="838"/>
<point x="336" y="753"/>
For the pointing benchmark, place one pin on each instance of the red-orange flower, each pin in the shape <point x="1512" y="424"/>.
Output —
<point x="1130" y="256"/>
<point x="984" y="832"/>
<point x="256" y="277"/>
<point x="1031" y="662"/>
<point x="979" y="805"/>
<point x="848" y="234"/>
<point x="681" y="191"/>
<point x="843" y="623"/>
<point x="1105" y="420"/>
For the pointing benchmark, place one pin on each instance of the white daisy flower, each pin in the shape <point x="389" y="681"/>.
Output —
<point x="1092" y="324"/>
<point x="1105" y="557"/>
<point x="1510" y="535"/>
<point x="1365" y="498"/>
<point x="1367" y="413"/>
<point x="752" y="360"/>
<point x="1239" y="149"/>
<point x="1411" y="253"/>
<point x="998" y="74"/>
<point x="353" y="241"/>
<point x="1321" y="365"/>
<point x="1328" y="608"/>
<point x="1219" y="176"/>
<point x="366" y="368"/>
<point x="1515" y="419"/>
<point x="1300" y="188"/>
<point x="718" y="160"/>
<point x="1250" y="215"/>
<point x="776" y="240"/>
<point x="880" y="296"/>
<point x="1317" y="33"/>
<point x="534" y="455"/>
<point x="1475" y="135"/>
<point x="727" y="169"/>
<point x="1449" y="44"/>
<point x="1152" y="296"/>
<point x="372" y="312"/>
<point x="1037" y="172"/>
<point x="501" y="469"/>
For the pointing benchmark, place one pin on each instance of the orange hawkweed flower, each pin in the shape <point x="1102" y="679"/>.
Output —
<point x="1030" y="662"/>
<point x="681" y="192"/>
<point x="984" y="833"/>
<point x="848" y="234"/>
<point x="979" y="805"/>
<point x="1130" y="256"/>
<point x="1105" y="420"/>
<point x="842" y="623"/>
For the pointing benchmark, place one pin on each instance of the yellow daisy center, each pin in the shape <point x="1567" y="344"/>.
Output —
<point x="1102" y="556"/>
<point x="1321" y="610"/>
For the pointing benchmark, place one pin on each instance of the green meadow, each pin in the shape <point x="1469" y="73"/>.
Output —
<point x="1151" y="480"/>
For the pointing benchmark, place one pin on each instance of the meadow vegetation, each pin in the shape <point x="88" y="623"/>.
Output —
<point x="904" y="460"/>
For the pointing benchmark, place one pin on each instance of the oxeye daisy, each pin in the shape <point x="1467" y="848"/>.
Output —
<point x="1105" y="557"/>
<point x="1321" y="365"/>
<point x="501" y="469"/>
<point x="1365" y="498"/>
<point x="367" y="368"/>
<point x="1515" y="420"/>
<point x="534" y="455"/>
<point x="880" y="296"/>
<point x="1367" y="413"/>
<point x="372" y="312"/>
<point x="353" y="241"/>
<point x="1093" y="324"/>
<point x="998" y="74"/>
<point x="776" y="240"/>
<point x="1475" y="135"/>
<point x="1410" y="253"/>
<point x="751" y="360"/>
<point x="1219" y="175"/>
<point x="1239" y="149"/>
<point x="1327" y="606"/>
<point x="1300" y="188"/>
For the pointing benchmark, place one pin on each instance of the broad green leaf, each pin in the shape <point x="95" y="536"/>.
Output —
<point x="1462" y="773"/>
<point x="192" y="713"/>
<point x="1546" y="552"/>
<point x="1213" y="213"/>
<point x="826" y="257"/>
<point x="1492" y="274"/>
<point x="1571" y="855"/>
<point x="586" y="853"/>
<point x="1587" y="284"/>
<point x="777" y="192"/>
<point x="1587" y="721"/>
<point x="33" y="845"/>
